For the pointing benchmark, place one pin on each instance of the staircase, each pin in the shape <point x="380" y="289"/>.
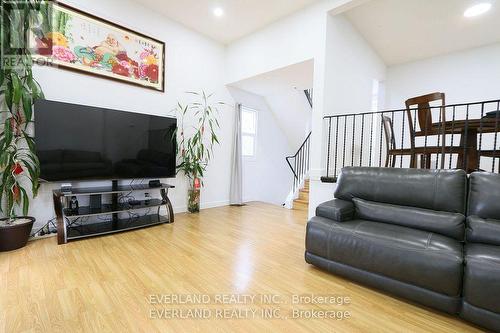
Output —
<point x="299" y="165"/>
<point x="302" y="203"/>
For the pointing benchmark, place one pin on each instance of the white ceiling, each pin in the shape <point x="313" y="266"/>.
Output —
<point x="241" y="18"/>
<point x="409" y="30"/>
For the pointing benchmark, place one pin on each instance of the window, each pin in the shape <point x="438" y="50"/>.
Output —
<point x="248" y="132"/>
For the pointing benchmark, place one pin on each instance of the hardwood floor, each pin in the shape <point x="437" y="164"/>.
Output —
<point x="108" y="284"/>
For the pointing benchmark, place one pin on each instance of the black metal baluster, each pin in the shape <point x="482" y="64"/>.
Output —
<point x="299" y="180"/>
<point x="439" y="136"/>
<point x="371" y="140"/>
<point x="295" y="175"/>
<point x="353" y="139"/>
<point x="466" y="133"/>
<point x="452" y="135"/>
<point x="402" y="140"/>
<point x="336" y="146"/>
<point x="345" y="141"/>
<point x="381" y="139"/>
<point x="426" y="140"/>
<point x="393" y="156"/>
<point x="301" y="174"/>
<point x="309" y="153"/>
<point x="362" y="139"/>
<point x="414" y="131"/>
<point x="480" y="137"/>
<point x="306" y="159"/>
<point x="496" y="138"/>
<point x="329" y="146"/>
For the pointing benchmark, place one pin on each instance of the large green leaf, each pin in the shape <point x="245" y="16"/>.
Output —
<point x="27" y="107"/>
<point x="18" y="88"/>
<point x="8" y="131"/>
<point x="8" y="95"/>
<point x="15" y="27"/>
<point x="26" y="201"/>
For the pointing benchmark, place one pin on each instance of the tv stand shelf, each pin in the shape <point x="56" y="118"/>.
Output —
<point x="89" y="222"/>
<point x="110" y="209"/>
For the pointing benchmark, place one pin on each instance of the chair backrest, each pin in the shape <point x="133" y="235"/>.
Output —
<point x="390" y="141"/>
<point x="424" y="113"/>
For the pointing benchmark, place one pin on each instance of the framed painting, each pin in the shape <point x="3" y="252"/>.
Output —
<point x="86" y="43"/>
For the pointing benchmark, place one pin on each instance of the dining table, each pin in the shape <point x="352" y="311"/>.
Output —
<point x="470" y="131"/>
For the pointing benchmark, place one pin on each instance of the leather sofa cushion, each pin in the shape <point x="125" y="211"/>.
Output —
<point x="482" y="276"/>
<point x="483" y="230"/>
<point x="441" y="190"/>
<point x="337" y="210"/>
<point x="484" y="195"/>
<point x="424" y="259"/>
<point x="444" y="223"/>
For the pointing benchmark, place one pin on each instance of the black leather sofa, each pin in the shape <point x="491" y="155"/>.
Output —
<point x="404" y="231"/>
<point x="481" y="295"/>
<point x="400" y="230"/>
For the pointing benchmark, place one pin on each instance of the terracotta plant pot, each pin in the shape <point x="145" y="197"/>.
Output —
<point x="13" y="237"/>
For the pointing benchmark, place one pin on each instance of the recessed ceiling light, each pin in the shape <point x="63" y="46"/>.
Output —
<point x="478" y="9"/>
<point x="218" y="12"/>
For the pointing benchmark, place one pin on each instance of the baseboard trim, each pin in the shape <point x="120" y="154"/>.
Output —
<point x="204" y="205"/>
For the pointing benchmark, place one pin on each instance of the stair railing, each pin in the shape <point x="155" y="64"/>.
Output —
<point x="309" y="96"/>
<point x="299" y="163"/>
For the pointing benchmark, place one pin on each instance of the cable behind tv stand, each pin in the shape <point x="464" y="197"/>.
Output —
<point x="88" y="222"/>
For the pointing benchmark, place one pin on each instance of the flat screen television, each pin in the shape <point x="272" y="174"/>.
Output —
<point x="77" y="142"/>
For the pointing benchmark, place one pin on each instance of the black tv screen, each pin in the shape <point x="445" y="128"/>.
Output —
<point x="77" y="142"/>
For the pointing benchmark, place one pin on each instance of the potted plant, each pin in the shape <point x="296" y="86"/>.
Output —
<point x="19" y="165"/>
<point x="195" y="142"/>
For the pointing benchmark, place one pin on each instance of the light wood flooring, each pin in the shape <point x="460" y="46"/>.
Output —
<point x="106" y="284"/>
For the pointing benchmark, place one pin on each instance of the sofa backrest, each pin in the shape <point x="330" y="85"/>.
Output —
<point x="439" y="190"/>
<point x="484" y="195"/>
<point x="483" y="221"/>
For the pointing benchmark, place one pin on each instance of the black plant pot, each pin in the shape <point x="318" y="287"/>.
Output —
<point x="13" y="237"/>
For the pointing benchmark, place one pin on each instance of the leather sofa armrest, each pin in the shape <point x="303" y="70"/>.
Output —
<point x="486" y="231"/>
<point x="337" y="210"/>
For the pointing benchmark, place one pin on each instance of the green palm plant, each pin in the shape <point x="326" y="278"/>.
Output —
<point x="19" y="165"/>
<point x="196" y="141"/>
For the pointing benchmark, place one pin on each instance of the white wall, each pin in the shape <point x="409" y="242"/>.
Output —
<point x="266" y="177"/>
<point x="351" y="65"/>
<point x="283" y="90"/>
<point x="314" y="34"/>
<point x="293" y="114"/>
<point x="467" y="76"/>
<point x="193" y="63"/>
<point x="292" y="40"/>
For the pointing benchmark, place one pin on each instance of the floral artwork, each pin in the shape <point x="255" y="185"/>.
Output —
<point x="83" y="42"/>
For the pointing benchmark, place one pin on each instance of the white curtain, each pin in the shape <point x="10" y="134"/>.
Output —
<point x="236" y="191"/>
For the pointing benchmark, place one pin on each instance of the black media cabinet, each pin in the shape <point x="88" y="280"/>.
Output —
<point x="88" y="222"/>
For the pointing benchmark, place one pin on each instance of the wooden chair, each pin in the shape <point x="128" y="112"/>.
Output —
<point x="428" y="128"/>
<point x="390" y="143"/>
